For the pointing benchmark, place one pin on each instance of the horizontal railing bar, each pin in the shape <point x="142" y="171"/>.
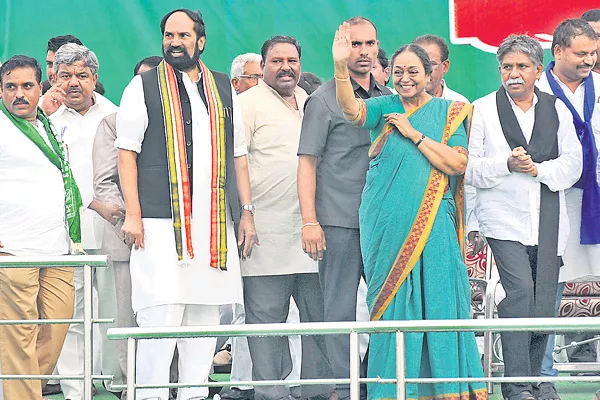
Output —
<point x="54" y="321"/>
<point x="55" y="261"/>
<point x="309" y="382"/>
<point x="57" y="377"/>
<point x="327" y="328"/>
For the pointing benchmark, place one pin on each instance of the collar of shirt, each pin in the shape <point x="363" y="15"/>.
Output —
<point x="184" y="75"/>
<point x="362" y="92"/>
<point x="576" y="98"/>
<point x="264" y="86"/>
<point x="64" y="109"/>
<point x="526" y="119"/>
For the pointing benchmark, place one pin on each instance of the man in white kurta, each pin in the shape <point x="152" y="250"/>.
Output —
<point x="520" y="190"/>
<point x="582" y="262"/>
<point x="164" y="292"/>
<point x="278" y="269"/>
<point x="77" y="118"/>
<point x="32" y="223"/>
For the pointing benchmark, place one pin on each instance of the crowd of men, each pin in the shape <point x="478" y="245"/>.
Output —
<point x="274" y="175"/>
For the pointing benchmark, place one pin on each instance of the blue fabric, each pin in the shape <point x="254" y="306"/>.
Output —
<point x="590" y="208"/>
<point x="438" y="286"/>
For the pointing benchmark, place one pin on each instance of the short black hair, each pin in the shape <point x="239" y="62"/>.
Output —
<point x="591" y="15"/>
<point x="439" y="41"/>
<point x="268" y="45"/>
<point x="361" y="20"/>
<point x="419" y="52"/>
<point x="20" y="61"/>
<point x="196" y="16"/>
<point x="57" y="41"/>
<point x="383" y="59"/>
<point x="151" y="61"/>
<point x="100" y="88"/>
<point x="309" y="82"/>
<point x="569" y="29"/>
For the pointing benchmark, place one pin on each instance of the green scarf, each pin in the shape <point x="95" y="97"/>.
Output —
<point x="56" y="155"/>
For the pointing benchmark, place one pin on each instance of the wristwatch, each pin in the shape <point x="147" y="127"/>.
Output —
<point x="248" y="207"/>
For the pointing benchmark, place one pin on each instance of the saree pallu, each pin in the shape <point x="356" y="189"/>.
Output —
<point x="412" y="258"/>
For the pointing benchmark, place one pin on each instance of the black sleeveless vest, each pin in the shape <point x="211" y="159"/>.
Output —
<point x="153" y="172"/>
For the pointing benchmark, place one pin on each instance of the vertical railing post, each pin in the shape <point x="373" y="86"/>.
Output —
<point x="87" y="332"/>
<point x="400" y="366"/>
<point x="354" y="366"/>
<point x="131" y="369"/>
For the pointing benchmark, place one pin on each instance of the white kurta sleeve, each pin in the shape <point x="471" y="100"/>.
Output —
<point x="483" y="172"/>
<point x="562" y="172"/>
<point x="471" y="204"/>
<point x="132" y="118"/>
<point x="239" y="140"/>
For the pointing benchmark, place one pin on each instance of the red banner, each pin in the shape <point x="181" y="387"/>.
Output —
<point x="484" y="24"/>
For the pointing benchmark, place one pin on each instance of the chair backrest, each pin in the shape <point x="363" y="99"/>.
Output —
<point x="579" y="289"/>
<point x="476" y="264"/>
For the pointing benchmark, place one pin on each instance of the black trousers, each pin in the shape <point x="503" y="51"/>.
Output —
<point x="339" y="274"/>
<point x="267" y="300"/>
<point x="522" y="351"/>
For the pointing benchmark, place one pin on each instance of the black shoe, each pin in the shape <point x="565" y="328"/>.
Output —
<point x="51" y="389"/>
<point x="524" y="395"/>
<point x="238" y="394"/>
<point x="546" y="391"/>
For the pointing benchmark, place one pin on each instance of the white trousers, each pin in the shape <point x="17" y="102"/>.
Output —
<point x="70" y="361"/>
<point x="241" y="363"/>
<point x="154" y="356"/>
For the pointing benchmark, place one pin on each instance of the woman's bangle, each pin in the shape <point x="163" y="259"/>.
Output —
<point x="341" y="79"/>
<point x="420" y="140"/>
<point x="310" y="224"/>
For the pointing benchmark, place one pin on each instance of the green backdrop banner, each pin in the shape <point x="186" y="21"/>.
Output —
<point x="122" y="32"/>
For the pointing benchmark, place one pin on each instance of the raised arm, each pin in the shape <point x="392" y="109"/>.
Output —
<point x="341" y="49"/>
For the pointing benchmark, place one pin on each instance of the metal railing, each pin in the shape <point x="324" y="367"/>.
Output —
<point x="354" y="329"/>
<point x="86" y="262"/>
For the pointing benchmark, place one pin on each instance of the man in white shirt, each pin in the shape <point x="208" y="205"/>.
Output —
<point x="172" y="160"/>
<point x="77" y="115"/>
<point x="523" y="153"/>
<point x="570" y="77"/>
<point x="278" y="269"/>
<point x="32" y="211"/>
<point x="245" y="72"/>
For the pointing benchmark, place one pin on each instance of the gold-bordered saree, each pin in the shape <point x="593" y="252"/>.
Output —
<point x="412" y="236"/>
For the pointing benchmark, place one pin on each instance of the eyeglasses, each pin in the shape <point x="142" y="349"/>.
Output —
<point x="435" y="65"/>
<point x="252" y="76"/>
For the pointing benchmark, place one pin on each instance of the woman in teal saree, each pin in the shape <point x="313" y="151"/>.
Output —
<point x="411" y="225"/>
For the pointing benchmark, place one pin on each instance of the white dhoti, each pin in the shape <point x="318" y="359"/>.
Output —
<point x="582" y="262"/>
<point x="154" y="356"/>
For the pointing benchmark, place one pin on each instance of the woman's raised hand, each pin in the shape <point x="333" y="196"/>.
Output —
<point x="342" y="45"/>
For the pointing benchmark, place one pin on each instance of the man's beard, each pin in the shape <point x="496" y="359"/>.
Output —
<point x="183" y="62"/>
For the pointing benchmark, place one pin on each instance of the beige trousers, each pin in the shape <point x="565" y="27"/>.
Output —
<point x="32" y="293"/>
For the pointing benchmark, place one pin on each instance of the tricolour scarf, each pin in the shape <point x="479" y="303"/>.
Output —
<point x="178" y="173"/>
<point x="56" y="155"/>
<point x="590" y="208"/>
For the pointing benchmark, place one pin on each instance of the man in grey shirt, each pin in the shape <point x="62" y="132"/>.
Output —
<point x="332" y="167"/>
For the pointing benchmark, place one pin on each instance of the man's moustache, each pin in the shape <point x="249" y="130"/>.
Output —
<point x="585" y="65"/>
<point x="286" y="73"/>
<point x="74" y="90"/>
<point x="514" y="81"/>
<point x="20" y="101"/>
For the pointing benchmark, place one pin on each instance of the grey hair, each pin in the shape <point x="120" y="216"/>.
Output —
<point x="71" y="52"/>
<point x="521" y="44"/>
<point x="238" y="64"/>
